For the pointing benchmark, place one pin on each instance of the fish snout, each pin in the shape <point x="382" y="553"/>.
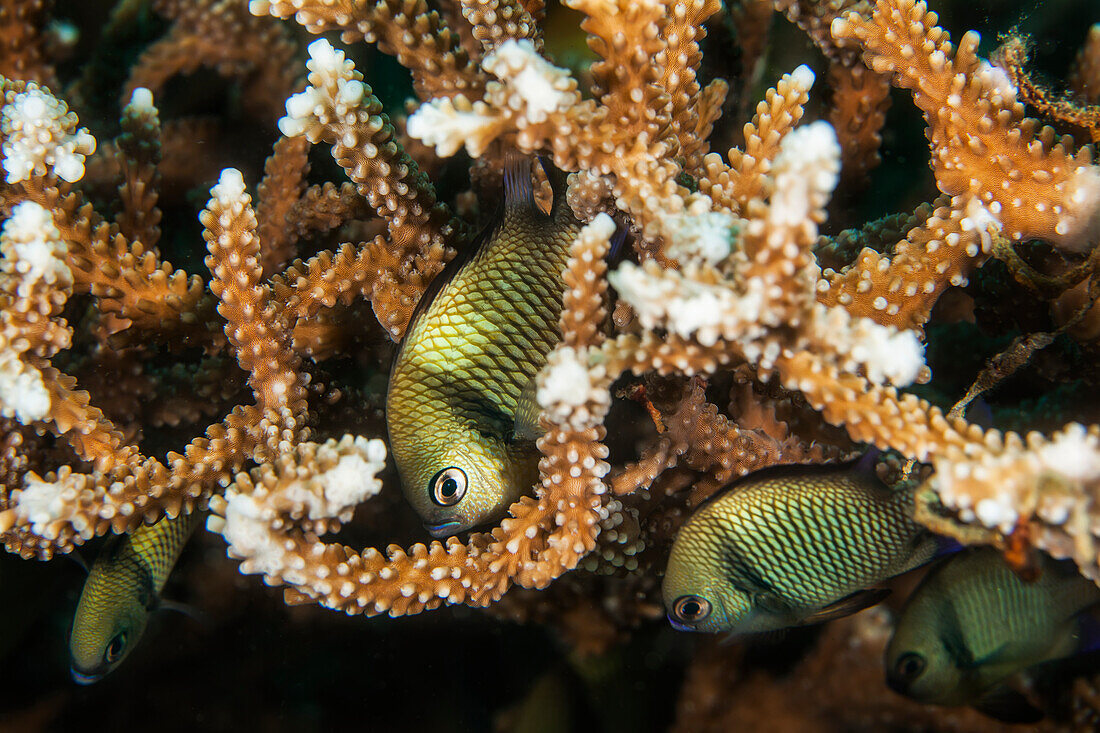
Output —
<point x="82" y="677"/>
<point x="444" y="529"/>
<point x="896" y="683"/>
<point x="676" y="624"/>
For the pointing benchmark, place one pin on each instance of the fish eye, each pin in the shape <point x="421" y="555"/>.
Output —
<point x="909" y="666"/>
<point x="114" y="649"/>
<point x="448" y="486"/>
<point x="691" y="609"/>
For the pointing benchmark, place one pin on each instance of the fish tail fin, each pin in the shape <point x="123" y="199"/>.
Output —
<point x="1088" y="631"/>
<point x="519" y="193"/>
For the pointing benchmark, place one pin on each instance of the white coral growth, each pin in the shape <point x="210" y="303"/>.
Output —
<point x="570" y="391"/>
<point x="40" y="137"/>
<point x="1052" y="483"/>
<point x="527" y="92"/>
<point x="34" y="252"/>
<point x="32" y="271"/>
<point x="48" y="503"/>
<point x="336" y="90"/>
<point x="318" y="483"/>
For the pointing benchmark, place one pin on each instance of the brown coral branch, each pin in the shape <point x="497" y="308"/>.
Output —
<point x="22" y="51"/>
<point x="278" y="193"/>
<point x="261" y="342"/>
<point x="1012" y="57"/>
<point x="495" y="21"/>
<point x="323" y="208"/>
<point x="222" y="35"/>
<point x="407" y="29"/>
<point x="982" y="146"/>
<point x="138" y="151"/>
<point x="858" y="113"/>
<point x="743" y="179"/>
<point x="1084" y="81"/>
<point x="340" y="110"/>
<point x="900" y="289"/>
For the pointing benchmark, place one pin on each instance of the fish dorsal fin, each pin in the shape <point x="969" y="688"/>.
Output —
<point x="559" y="182"/>
<point x="77" y="558"/>
<point x="519" y="193"/>
<point x="848" y="605"/>
<point x="527" y="413"/>
<point x="1008" y="706"/>
<point x="519" y="196"/>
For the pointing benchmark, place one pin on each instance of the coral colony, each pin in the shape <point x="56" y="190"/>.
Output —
<point x="749" y="336"/>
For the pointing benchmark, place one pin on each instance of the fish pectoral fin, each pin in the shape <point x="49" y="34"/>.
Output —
<point x="186" y="609"/>
<point x="995" y="657"/>
<point x="760" y="638"/>
<point x="526" y="426"/>
<point x="769" y="602"/>
<point x="1008" y="706"/>
<point x="848" y="605"/>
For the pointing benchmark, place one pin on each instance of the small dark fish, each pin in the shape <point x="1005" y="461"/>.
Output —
<point x="122" y="589"/>
<point x="460" y="409"/>
<point x="789" y="546"/>
<point x="973" y="623"/>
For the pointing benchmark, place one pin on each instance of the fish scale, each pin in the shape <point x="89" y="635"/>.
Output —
<point x="805" y="536"/>
<point x="122" y="589"/>
<point x="787" y="527"/>
<point x="1019" y="607"/>
<point x="456" y="384"/>
<point x="973" y="623"/>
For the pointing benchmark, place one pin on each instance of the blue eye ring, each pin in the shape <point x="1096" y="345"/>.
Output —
<point x="448" y="486"/>
<point x="691" y="609"/>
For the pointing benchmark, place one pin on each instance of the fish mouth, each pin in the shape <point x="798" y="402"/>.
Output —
<point x="85" y="678"/>
<point x="677" y="625"/>
<point x="444" y="529"/>
<point x="897" y="684"/>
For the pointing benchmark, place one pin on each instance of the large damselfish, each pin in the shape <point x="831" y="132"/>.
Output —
<point x="122" y="589"/>
<point x="460" y="409"/>
<point x="789" y="546"/>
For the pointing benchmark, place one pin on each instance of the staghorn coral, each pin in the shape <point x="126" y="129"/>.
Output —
<point x="750" y="331"/>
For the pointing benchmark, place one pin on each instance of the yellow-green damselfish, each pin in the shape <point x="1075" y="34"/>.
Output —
<point x="972" y="623"/>
<point x="460" y="408"/>
<point x="122" y="589"/>
<point x="789" y="546"/>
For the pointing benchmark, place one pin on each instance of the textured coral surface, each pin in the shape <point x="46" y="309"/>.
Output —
<point x="805" y="227"/>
